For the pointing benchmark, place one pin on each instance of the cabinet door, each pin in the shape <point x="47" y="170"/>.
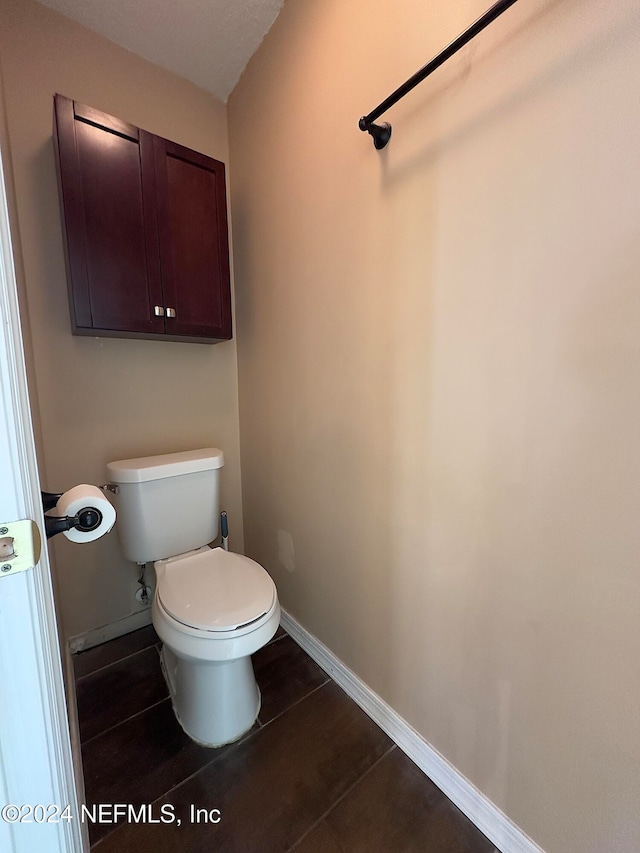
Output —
<point x="194" y="251"/>
<point x="108" y="191"/>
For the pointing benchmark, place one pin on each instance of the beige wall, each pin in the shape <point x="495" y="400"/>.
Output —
<point x="103" y="398"/>
<point x="439" y="372"/>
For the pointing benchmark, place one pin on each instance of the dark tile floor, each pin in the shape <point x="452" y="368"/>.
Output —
<point x="314" y="775"/>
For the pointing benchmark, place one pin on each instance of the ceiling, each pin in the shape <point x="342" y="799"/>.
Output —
<point x="207" y="41"/>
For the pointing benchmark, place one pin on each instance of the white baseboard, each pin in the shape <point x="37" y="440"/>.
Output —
<point x="109" y="632"/>
<point x="488" y="818"/>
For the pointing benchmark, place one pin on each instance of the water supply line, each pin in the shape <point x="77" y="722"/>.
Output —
<point x="143" y="594"/>
<point x="224" y="530"/>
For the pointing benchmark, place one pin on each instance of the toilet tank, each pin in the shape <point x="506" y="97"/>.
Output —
<point x="167" y="504"/>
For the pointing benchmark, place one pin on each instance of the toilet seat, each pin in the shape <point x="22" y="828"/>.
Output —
<point x="214" y="590"/>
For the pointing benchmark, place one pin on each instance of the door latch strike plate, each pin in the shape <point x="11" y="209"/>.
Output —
<point x="20" y="546"/>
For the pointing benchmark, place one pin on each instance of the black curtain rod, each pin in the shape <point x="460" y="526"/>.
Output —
<point x="381" y="133"/>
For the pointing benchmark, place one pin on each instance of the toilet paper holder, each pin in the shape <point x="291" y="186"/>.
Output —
<point x="86" y="520"/>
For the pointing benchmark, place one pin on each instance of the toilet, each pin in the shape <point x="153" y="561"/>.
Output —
<point x="212" y="608"/>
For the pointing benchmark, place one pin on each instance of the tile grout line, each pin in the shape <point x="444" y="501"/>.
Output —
<point x="248" y="735"/>
<point x="341" y="798"/>
<point x="114" y="662"/>
<point x="293" y="705"/>
<point x="83" y="743"/>
<point x="275" y="639"/>
<point x="168" y="696"/>
<point x="245" y="737"/>
<point x="150" y="646"/>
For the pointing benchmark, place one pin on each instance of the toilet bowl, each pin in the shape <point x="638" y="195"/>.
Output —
<point x="212" y="608"/>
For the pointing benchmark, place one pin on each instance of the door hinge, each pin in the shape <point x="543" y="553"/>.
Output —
<point x="20" y="546"/>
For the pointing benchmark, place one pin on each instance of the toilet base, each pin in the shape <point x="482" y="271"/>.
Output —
<point x="215" y="702"/>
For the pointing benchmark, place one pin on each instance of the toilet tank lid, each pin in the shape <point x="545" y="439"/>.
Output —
<point x="146" y="468"/>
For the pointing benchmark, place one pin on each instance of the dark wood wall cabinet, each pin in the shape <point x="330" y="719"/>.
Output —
<point x="145" y="223"/>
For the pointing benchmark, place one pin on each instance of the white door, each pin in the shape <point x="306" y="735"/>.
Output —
<point x="36" y="766"/>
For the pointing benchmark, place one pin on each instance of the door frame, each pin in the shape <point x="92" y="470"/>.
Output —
<point x="36" y="756"/>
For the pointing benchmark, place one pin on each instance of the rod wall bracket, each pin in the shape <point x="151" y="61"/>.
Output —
<point x="380" y="133"/>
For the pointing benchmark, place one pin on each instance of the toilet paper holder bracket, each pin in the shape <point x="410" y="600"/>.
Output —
<point x="49" y="500"/>
<point x="88" y="519"/>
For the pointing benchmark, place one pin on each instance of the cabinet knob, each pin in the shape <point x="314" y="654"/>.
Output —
<point x="171" y="312"/>
<point x="158" y="310"/>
